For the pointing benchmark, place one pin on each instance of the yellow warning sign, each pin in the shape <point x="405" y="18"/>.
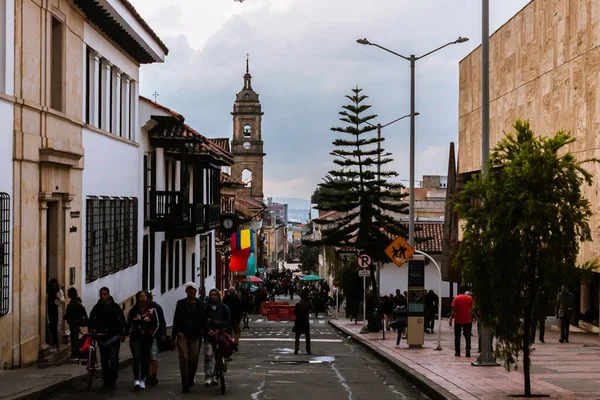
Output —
<point x="399" y="251"/>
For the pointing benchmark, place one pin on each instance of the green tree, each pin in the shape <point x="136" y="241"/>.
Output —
<point x="309" y="258"/>
<point x="360" y="190"/>
<point x="524" y="221"/>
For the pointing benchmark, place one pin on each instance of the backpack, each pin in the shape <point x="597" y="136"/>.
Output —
<point x="226" y="344"/>
<point x="83" y="318"/>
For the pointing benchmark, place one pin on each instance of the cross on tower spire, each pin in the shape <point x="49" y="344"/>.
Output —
<point x="247" y="76"/>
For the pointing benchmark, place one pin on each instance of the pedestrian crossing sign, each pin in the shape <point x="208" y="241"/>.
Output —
<point x="399" y="251"/>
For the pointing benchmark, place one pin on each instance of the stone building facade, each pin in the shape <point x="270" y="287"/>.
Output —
<point x="544" y="68"/>
<point x="48" y="93"/>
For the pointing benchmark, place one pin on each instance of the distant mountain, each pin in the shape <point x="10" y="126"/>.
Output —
<point x="294" y="203"/>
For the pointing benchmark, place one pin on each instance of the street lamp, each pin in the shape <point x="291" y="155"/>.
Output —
<point x="412" y="59"/>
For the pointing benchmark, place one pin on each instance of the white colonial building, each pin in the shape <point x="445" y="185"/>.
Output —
<point x="112" y="180"/>
<point x="181" y="204"/>
<point x="7" y="71"/>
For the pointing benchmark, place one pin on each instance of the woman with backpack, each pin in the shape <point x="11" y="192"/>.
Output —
<point x="142" y="325"/>
<point x="76" y="317"/>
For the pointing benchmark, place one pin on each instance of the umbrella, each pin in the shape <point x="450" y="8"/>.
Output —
<point x="254" y="279"/>
<point x="311" y="278"/>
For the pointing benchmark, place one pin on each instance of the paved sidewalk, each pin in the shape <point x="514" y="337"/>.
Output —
<point x="35" y="383"/>
<point x="563" y="371"/>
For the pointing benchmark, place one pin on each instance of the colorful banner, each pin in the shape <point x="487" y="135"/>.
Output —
<point x="251" y="270"/>
<point x="239" y="260"/>
<point x="241" y="240"/>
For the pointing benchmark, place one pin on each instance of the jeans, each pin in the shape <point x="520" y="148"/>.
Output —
<point x="189" y="352"/>
<point x="109" y="357"/>
<point x="140" y="350"/>
<point x="209" y="360"/>
<point x="74" y="334"/>
<point x="565" y="322"/>
<point x="306" y="336"/>
<point x="236" y="333"/>
<point x="542" y="324"/>
<point x="466" y="330"/>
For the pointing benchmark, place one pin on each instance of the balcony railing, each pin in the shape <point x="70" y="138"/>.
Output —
<point x="169" y="211"/>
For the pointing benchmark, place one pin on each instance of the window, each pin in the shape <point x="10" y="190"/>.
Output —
<point x="4" y="253"/>
<point x="152" y="260"/>
<point x="88" y="86"/>
<point x="147" y="184"/>
<point x="184" y="264"/>
<point x="193" y="277"/>
<point x="171" y="251"/>
<point x="247" y="131"/>
<point x="163" y="266"/>
<point x="177" y="264"/>
<point x="247" y="177"/>
<point x="145" y="263"/>
<point x="56" y="65"/>
<point x="111" y="235"/>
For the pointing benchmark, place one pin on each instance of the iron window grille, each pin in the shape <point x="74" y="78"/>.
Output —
<point x="111" y="235"/>
<point x="4" y="253"/>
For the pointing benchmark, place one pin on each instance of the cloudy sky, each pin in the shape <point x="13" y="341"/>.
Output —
<point x="304" y="58"/>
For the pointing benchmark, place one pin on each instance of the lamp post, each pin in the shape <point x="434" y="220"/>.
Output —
<point x="379" y="128"/>
<point x="412" y="59"/>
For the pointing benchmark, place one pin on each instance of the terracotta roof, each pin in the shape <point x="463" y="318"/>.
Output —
<point x="228" y="179"/>
<point x="249" y="201"/>
<point x="161" y="107"/>
<point x="431" y="231"/>
<point x="247" y="206"/>
<point x="221" y="142"/>
<point x="173" y="127"/>
<point x="139" y="18"/>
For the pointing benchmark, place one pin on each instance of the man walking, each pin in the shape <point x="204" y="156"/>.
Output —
<point x="160" y="336"/>
<point x="462" y="307"/>
<point x="189" y="324"/>
<point x="108" y="319"/>
<point x="564" y="309"/>
<point x="234" y="303"/>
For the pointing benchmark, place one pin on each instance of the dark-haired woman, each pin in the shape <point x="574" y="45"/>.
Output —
<point x="142" y="323"/>
<point x="76" y="317"/>
<point x="55" y="299"/>
<point x="302" y="323"/>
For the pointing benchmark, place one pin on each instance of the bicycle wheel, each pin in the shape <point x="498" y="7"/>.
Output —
<point x="222" y="380"/>
<point x="91" y="367"/>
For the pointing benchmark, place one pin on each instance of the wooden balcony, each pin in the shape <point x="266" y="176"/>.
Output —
<point x="171" y="212"/>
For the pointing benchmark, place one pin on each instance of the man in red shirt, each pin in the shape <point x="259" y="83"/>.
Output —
<point x="462" y="308"/>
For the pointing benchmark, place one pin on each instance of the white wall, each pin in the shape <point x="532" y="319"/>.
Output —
<point x="393" y="277"/>
<point x="6" y="170"/>
<point x="107" y="50"/>
<point x="112" y="169"/>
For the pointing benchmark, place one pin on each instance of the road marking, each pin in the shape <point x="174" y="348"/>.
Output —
<point x="270" y="339"/>
<point x="259" y="320"/>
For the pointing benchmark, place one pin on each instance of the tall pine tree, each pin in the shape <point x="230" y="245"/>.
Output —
<point x="368" y="204"/>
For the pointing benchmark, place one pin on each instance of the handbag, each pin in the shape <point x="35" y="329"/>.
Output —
<point x="165" y="344"/>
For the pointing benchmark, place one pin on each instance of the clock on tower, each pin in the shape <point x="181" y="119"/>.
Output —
<point x="247" y="144"/>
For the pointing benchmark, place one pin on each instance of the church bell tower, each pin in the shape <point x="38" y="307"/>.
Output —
<point x="247" y="144"/>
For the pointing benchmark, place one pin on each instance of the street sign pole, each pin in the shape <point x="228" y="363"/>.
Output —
<point x="364" y="302"/>
<point x="364" y="262"/>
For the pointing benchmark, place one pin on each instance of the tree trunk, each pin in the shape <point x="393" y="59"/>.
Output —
<point x="526" y="343"/>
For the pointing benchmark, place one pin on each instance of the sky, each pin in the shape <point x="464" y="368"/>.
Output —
<point x="304" y="59"/>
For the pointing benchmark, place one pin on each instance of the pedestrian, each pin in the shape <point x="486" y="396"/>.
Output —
<point x="189" y="324"/>
<point x="234" y="303"/>
<point x="76" y="317"/>
<point x="302" y="322"/>
<point x="142" y="325"/>
<point x="564" y="309"/>
<point x="107" y="318"/>
<point x="217" y="317"/>
<point x="431" y="308"/>
<point x="539" y="311"/>
<point x="159" y="337"/>
<point x="462" y="308"/>
<point x="246" y="307"/>
<point x="387" y="308"/>
<point x="400" y="322"/>
<point x="55" y="298"/>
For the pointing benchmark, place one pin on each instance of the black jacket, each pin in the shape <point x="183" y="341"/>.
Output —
<point x="235" y="307"/>
<point x="191" y="321"/>
<point x="75" y="312"/>
<point x="108" y="318"/>
<point x="302" y="313"/>
<point x="162" y="328"/>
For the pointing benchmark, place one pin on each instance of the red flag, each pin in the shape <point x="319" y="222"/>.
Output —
<point x="239" y="260"/>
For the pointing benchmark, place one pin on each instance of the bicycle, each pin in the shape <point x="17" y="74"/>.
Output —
<point x="220" y="362"/>
<point x="92" y="358"/>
